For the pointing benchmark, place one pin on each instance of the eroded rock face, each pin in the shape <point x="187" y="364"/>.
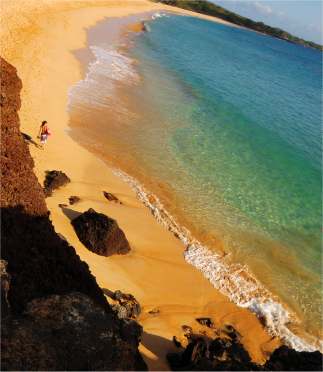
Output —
<point x="54" y="179"/>
<point x="100" y="234"/>
<point x="46" y="325"/>
<point x="70" y="332"/>
<point x="5" y="286"/>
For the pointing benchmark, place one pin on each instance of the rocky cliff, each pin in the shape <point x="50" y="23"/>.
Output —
<point x="54" y="315"/>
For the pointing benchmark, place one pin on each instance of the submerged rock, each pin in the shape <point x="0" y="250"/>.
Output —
<point x="54" y="179"/>
<point x="100" y="234"/>
<point x="70" y="332"/>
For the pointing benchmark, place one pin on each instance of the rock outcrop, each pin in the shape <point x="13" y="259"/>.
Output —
<point x="69" y="332"/>
<point x="100" y="234"/>
<point x="54" y="179"/>
<point x="226" y="353"/>
<point x="124" y="304"/>
<point x="56" y="317"/>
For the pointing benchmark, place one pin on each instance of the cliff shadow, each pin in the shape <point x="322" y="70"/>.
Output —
<point x="160" y="347"/>
<point x="70" y="213"/>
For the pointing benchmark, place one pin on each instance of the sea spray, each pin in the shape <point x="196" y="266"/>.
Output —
<point x="233" y="280"/>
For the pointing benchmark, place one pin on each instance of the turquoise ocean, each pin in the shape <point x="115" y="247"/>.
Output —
<point x="223" y="125"/>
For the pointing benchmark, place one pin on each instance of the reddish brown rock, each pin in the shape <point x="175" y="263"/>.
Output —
<point x="46" y="325"/>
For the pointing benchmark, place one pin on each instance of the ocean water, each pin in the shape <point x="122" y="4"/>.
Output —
<point x="224" y="126"/>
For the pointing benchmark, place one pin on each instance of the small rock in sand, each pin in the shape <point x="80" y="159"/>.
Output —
<point x="111" y="197"/>
<point x="205" y="321"/>
<point x="73" y="199"/>
<point x="154" y="311"/>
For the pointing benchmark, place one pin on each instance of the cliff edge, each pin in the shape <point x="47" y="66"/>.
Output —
<point x="54" y="315"/>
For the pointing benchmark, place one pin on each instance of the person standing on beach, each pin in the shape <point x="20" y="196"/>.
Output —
<point x="43" y="133"/>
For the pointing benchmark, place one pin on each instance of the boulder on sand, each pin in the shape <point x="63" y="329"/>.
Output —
<point x="54" y="179"/>
<point x="100" y="234"/>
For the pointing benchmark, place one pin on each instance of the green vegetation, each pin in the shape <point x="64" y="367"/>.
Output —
<point x="208" y="8"/>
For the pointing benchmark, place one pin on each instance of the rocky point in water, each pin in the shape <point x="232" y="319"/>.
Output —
<point x="54" y="315"/>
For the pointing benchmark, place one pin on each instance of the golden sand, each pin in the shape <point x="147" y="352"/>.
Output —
<point x="38" y="38"/>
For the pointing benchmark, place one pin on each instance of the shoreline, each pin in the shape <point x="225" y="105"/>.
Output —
<point x="232" y="279"/>
<point x="46" y="99"/>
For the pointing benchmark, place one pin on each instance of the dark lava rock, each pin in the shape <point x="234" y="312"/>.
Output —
<point x="205" y="321"/>
<point x="70" y="332"/>
<point x="100" y="234"/>
<point x="177" y="343"/>
<point x="73" y="199"/>
<point x="188" y="331"/>
<point x="54" y="179"/>
<point x="286" y="359"/>
<point x="231" y="332"/>
<point x="111" y="197"/>
<point x="223" y="354"/>
<point x="127" y="306"/>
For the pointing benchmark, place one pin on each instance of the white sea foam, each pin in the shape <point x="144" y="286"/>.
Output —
<point x="97" y="88"/>
<point x="233" y="280"/>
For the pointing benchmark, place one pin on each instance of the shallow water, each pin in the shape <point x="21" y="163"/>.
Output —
<point x="224" y="125"/>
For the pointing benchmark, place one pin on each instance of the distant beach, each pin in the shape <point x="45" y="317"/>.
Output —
<point x="51" y="41"/>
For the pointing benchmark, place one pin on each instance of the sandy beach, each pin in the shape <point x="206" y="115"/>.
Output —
<point x="39" y="41"/>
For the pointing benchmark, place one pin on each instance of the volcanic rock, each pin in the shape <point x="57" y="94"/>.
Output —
<point x="111" y="197"/>
<point x="5" y="286"/>
<point x="49" y="326"/>
<point x="100" y="234"/>
<point x="70" y="332"/>
<point x="205" y="321"/>
<point x="127" y="306"/>
<point x="54" y="179"/>
<point x="286" y="359"/>
<point x="73" y="199"/>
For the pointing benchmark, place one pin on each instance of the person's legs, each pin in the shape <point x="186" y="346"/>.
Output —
<point x="43" y="139"/>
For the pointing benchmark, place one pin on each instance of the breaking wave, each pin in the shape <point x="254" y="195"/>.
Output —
<point x="233" y="280"/>
<point x="108" y="68"/>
